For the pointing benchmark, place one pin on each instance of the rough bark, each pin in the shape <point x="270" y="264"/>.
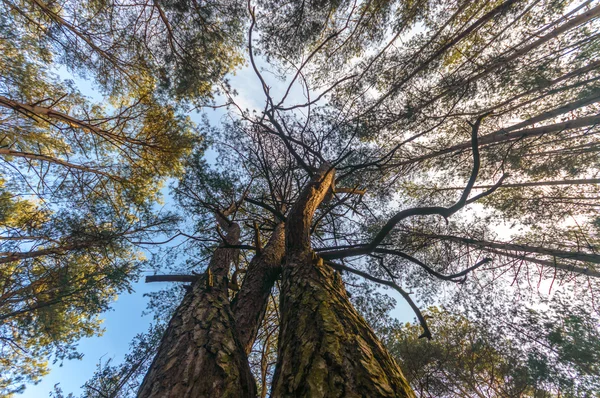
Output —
<point x="326" y="349"/>
<point x="297" y="229"/>
<point x="200" y="354"/>
<point x="250" y="303"/>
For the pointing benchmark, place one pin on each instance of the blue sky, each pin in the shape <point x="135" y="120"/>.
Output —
<point x="121" y="325"/>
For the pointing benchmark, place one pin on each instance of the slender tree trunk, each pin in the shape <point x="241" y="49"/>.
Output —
<point x="326" y="349"/>
<point x="200" y="354"/>
<point x="250" y="303"/>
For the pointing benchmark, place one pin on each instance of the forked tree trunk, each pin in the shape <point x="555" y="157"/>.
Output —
<point x="200" y="354"/>
<point x="250" y="304"/>
<point x="326" y="349"/>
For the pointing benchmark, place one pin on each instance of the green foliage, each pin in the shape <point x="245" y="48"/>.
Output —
<point x="51" y="295"/>
<point x="179" y="47"/>
<point x="538" y="353"/>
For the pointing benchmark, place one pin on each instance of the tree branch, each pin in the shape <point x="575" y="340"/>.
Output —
<point x="50" y="159"/>
<point x="171" y="278"/>
<point x="422" y="321"/>
<point x="445" y="212"/>
<point x="431" y="271"/>
<point x="354" y="191"/>
<point x="267" y="207"/>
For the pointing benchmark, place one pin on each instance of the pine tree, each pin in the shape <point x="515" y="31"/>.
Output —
<point x="435" y="148"/>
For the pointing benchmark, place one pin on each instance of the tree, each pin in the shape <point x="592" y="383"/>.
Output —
<point x="401" y="138"/>
<point x="217" y="363"/>
<point x="485" y="358"/>
<point x="389" y="124"/>
<point x="81" y="178"/>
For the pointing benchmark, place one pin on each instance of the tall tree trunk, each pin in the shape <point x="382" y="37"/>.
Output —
<point x="200" y="354"/>
<point x="250" y="303"/>
<point x="326" y="349"/>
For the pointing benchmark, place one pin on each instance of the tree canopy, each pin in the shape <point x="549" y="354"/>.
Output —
<point x="447" y="150"/>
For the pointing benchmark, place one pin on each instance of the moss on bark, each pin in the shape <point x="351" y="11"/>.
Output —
<point x="326" y="349"/>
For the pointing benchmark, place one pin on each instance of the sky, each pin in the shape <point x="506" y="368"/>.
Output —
<point x="121" y="324"/>
<point x="125" y="319"/>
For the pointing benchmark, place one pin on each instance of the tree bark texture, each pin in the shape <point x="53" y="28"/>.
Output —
<point x="326" y="349"/>
<point x="200" y="354"/>
<point x="300" y="217"/>
<point x="250" y="303"/>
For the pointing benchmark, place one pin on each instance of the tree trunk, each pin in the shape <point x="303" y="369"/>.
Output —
<point x="250" y="303"/>
<point x="326" y="349"/>
<point x="200" y="354"/>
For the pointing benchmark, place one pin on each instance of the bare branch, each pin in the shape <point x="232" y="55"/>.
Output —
<point x="265" y="206"/>
<point x="431" y="271"/>
<point x="422" y="321"/>
<point x="171" y="278"/>
<point x="423" y="211"/>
